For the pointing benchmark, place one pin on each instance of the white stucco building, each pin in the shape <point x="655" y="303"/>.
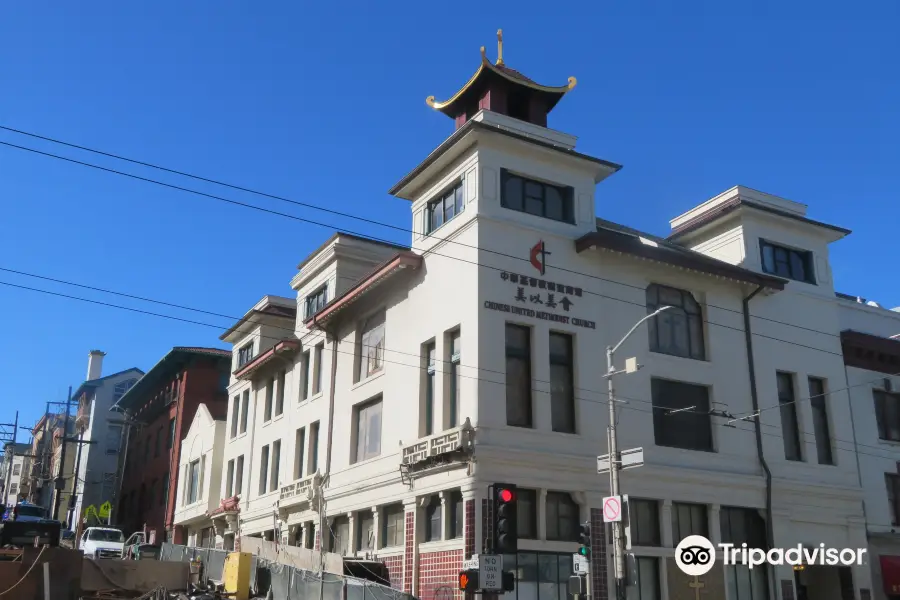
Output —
<point x="200" y="478"/>
<point x="378" y="405"/>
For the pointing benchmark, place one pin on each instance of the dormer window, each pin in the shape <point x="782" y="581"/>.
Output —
<point x="787" y="262"/>
<point x="245" y="354"/>
<point x="444" y="208"/>
<point x="537" y="198"/>
<point x="315" y="302"/>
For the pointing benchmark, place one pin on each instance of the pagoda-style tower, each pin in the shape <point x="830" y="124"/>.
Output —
<point x="497" y="88"/>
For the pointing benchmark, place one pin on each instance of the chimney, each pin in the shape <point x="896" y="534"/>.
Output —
<point x="95" y="364"/>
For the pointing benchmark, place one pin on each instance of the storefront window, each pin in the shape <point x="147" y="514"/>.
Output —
<point x="539" y="575"/>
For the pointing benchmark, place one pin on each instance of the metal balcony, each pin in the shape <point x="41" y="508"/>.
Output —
<point x="459" y="440"/>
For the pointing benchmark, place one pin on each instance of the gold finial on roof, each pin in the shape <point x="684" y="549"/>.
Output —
<point x="499" y="46"/>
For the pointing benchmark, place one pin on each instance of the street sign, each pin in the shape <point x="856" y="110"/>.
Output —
<point x="90" y="511"/>
<point x="580" y="564"/>
<point x="629" y="459"/>
<point x="612" y="509"/>
<point x="490" y="572"/>
<point x="472" y="563"/>
<point x="105" y="509"/>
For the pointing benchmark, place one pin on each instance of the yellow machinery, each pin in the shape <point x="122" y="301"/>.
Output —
<point x="236" y="575"/>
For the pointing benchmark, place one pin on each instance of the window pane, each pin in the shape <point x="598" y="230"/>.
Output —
<point x="526" y="515"/>
<point x="788" y="408"/>
<point x="798" y="268"/>
<point x="373" y="434"/>
<point x="512" y="193"/>
<point x="554" y="204"/>
<point x="691" y="428"/>
<point x="820" y="421"/>
<point x="534" y="206"/>
<point x="459" y="201"/>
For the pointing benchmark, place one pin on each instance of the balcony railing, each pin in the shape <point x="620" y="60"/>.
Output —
<point x="83" y="416"/>
<point x="458" y="439"/>
<point x="298" y="491"/>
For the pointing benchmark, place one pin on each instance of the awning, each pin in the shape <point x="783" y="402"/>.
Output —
<point x="890" y="574"/>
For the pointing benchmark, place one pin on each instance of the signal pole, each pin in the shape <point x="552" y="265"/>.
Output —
<point x="614" y="462"/>
<point x="59" y="483"/>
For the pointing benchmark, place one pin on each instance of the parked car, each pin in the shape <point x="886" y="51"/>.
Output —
<point x="102" y="542"/>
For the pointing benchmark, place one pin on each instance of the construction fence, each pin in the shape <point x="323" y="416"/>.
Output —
<point x="286" y="582"/>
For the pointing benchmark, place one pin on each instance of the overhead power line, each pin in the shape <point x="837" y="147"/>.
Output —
<point x="315" y="207"/>
<point x="418" y="366"/>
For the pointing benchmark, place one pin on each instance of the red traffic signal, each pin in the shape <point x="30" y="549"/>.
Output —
<point x="468" y="580"/>
<point x="506" y="495"/>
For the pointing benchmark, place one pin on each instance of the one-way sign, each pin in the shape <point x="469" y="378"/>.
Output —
<point x="628" y="459"/>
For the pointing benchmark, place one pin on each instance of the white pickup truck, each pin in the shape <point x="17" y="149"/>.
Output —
<point x="102" y="542"/>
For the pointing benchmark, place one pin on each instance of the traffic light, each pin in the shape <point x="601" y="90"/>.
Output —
<point x="584" y="536"/>
<point x="468" y="580"/>
<point x="506" y="536"/>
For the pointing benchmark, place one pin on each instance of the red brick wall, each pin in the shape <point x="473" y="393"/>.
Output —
<point x="409" y="552"/>
<point x="438" y="573"/>
<point x="599" y="583"/>
<point x="394" y="566"/>
<point x="470" y="535"/>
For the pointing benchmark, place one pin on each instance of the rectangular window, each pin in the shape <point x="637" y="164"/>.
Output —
<point x="817" y="402"/>
<point x="340" y="535"/>
<point x="677" y="331"/>
<point x="235" y="415"/>
<point x="279" y="393"/>
<point x="644" y="515"/>
<point x="433" y="520"/>
<point x="430" y="380"/>
<point x="688" y="519"/>
<point x="562" y="383"/>
<point x="245" y="409"/>
<point x="518" y="376"/>
<point x="786" y="262"/>
<point x="299" y="452"/>
<point x="536" y="198"/>
<point x="457" y="515"/>
<point x="313" y="448"/>
<point x="193" y="492"/>
<point x="368" y="430"/>
<point x="744" y="583"/>
<point x="263" y="470"/>
<point x="743" y="526"/>
<point x="526" y="514"/>
<point x="239" y="475"/>
<point x="317" y="376"/>
<point x="392" y="529"/>
<point x="893" y="493"/>
<point x="276" y="465"/>
<point x="229" y="480"/>
<point x="245" y="354"/>
<point x="562" y="517"/>
<point x="790" y="428"/>
<point x="691" y="427"/>
<point x="16" y="470"/>
<point x="365" y="531"/>
<point x="371" y="347"/>
<point x="453" y="400"/>
<point x="887" y="415"/>
<point x="113" y="439"/>
<point x="304" y="376"/>
<point x="270" y="389"/>
<point x="648" y="587"/>
<point x="171" y="439"/>
<point x="315" y="302"/>
<point x="445" y="207"/>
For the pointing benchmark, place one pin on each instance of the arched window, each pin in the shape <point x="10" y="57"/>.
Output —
<point x="679" y="330"/>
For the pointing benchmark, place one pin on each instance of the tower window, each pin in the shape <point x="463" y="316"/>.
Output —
<point x="786" y="262"/>
<point x="537" y="198"/>
<point x="445" y="207"/>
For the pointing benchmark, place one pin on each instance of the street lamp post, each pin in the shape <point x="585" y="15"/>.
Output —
<point x="614" y="463"/>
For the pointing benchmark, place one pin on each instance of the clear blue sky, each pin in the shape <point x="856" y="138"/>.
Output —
<point x="324" y="103"/>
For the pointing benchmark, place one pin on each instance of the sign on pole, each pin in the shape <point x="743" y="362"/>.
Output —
<point x="612" y="509"/>
<point x="629" y="459"/>
<point x="104" y="510"/>
<point x="490" y="572"/>
<point x="580" y="564"/>
<point x="472" y="563"/>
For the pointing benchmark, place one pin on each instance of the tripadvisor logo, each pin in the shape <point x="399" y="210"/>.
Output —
<point x="695" y="555"/>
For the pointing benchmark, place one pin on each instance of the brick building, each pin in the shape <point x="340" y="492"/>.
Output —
<point x="160" y="408"/>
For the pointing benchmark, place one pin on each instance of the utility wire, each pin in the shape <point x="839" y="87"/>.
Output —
<point x="416" y="366"/>
<point x="323" y="209"/>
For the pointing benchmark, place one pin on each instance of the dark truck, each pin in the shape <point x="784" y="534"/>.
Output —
<point x="26" y="524"/>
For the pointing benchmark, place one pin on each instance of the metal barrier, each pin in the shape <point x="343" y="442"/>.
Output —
<point x="285" y="581"/>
